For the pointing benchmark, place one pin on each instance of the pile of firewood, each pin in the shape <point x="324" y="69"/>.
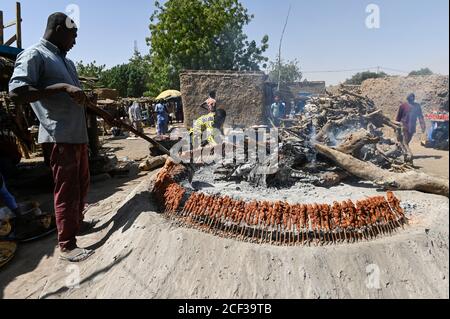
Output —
<point x="6" y="71"/>
<point x="14" y="132"/>
<point x="352" y="124"/>
<point x="349" y="126"/>
<point x="363" y="150"/>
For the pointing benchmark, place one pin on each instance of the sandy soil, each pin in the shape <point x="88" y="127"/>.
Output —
<point x="127" y="148"/>
<point x="431" y="161"/>
<point x="139" y="254"/>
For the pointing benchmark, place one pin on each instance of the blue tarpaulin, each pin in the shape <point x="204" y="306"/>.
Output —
<point x="9" y="52"/>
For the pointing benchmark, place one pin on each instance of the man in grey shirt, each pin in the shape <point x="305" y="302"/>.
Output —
<point x="136" y="116"/>
<point x="44" y="77"/>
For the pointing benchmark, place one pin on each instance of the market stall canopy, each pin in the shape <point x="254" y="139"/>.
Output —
<point x="106" y="102"/>
<point x="169" y="94"/>
<point x="139" y="100"/>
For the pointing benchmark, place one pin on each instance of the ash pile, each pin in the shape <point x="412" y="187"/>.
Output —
<point x="348" y="123"/>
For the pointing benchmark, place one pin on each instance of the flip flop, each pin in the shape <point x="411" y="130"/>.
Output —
<point x="77" y="255"/>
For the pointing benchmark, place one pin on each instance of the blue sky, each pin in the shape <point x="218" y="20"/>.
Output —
<point x="324" y="35"/>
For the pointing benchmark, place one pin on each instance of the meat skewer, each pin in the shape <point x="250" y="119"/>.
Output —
<point x="264" y="211"/>
<point x="325" y="220"/>
<point x="293" y="224"/>
<point x="304" y="222"/>
<point x="337" y="216"/>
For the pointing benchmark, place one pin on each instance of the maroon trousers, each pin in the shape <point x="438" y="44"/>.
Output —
<point x="70" y="167"/>
<point x="408" y="135"/>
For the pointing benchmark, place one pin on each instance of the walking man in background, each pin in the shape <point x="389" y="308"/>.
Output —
<point x="44" y="77"/>
<point x="408" y="115"/>
<point x="162" y="118"/>
<point x="136" y="117"/>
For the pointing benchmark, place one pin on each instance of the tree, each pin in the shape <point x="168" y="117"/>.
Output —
<point x="91" y="70"/>
<point x="290" y="71"/>
<point x="359" y="78"/>
<point x="130" y="79"/>
<point x="423" y="71"/>
<point x="139" y="75"/>
<point x="199" y="35"/>
<point x="116" y="78"/>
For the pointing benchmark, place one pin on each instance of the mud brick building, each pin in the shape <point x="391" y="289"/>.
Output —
<point x="243" y="95"/>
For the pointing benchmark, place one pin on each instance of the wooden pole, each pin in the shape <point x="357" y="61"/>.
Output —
<point x="92" y="128"/>
<point x="18" y="25"/>
<point x="1" y="28"/>
<point x="279" y="49"/>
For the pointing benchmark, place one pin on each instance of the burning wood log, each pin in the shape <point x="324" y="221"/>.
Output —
<point x="356" y="141"/>
<point x="411" y="180"/>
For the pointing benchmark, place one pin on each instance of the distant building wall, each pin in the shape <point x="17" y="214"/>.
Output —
<point x="290" y="91"/>
<point x="241" y="94"/>
<point x="107" y="94"/>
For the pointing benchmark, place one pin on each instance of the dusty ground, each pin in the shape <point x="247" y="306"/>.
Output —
<point x="430" y="161"/>
<point x="139" y="254"/>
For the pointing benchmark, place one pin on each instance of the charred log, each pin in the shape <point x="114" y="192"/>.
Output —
<point x="410" y="180"/>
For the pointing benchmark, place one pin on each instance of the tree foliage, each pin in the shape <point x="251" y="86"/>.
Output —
<point x="359" y="78"/>
<point x="130" y="79"/>
<point x="290" y="71"/>
<point x="91" y="70"/>
<point x="198" y="35"/>
<point x="423" y="71"/>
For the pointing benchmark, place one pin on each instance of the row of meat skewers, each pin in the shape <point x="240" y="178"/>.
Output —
<point x="279" y="222"/>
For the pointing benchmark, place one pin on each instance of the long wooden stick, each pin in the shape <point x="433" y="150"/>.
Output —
<point x="112" y="121"/>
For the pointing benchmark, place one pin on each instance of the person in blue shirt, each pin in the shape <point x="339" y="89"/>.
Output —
<point x="162" y="118"/>
<point x="45" y="78"/>
<point x="10" y="202"/>
<point x="278" y="110"/>
<point x="300" y="107"/>
<point x="8" y="198"/>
